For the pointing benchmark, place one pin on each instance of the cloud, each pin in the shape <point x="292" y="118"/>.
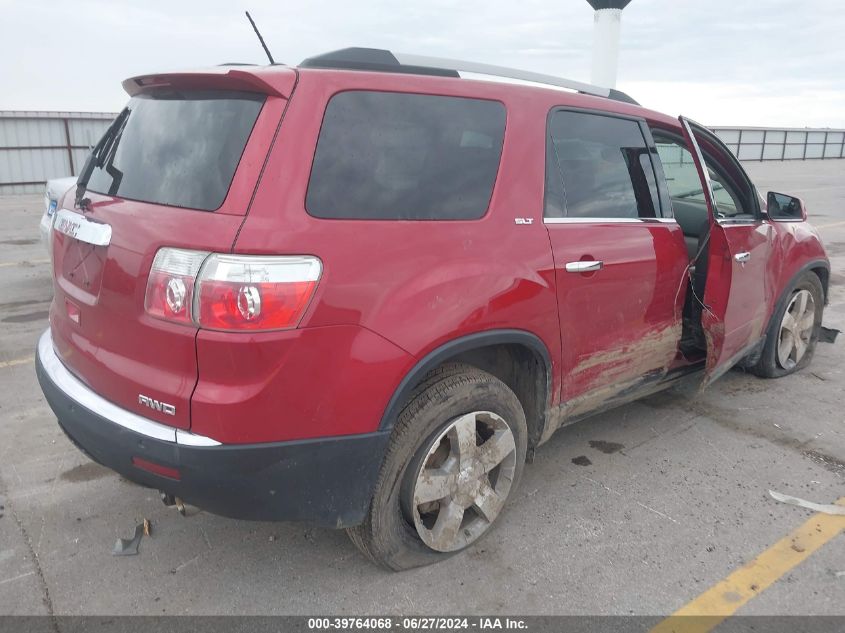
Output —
<point x="722" y="61"/>
<point x="802" y="104"/>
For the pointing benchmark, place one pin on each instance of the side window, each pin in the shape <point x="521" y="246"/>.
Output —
<point x="598" y="167"/>
<point x="397" y="156"/>
<point x="681" y="175"/>
<point x="683" y="182"/>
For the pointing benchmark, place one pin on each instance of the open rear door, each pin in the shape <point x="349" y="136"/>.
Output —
<point x="735" y="297"/>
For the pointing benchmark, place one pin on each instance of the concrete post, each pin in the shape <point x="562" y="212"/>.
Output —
<point x="607" y="22"/>
<point x="606" y="28"/>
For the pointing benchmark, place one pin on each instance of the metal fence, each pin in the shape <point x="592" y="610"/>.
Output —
<point x="770" y="143"/>
<point x="37" y="146"/>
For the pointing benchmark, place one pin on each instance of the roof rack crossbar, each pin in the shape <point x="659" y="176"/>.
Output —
<point x="500" y="71"/>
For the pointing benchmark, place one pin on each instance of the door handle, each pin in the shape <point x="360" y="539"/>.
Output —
<point x="742" y="257"/>
<point x="584" y="267"/>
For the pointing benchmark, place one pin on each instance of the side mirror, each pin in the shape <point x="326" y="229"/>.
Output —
<point x="783" y="208"/>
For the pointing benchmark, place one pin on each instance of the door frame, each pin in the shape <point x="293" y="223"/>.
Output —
<point x="588" y="402"/>
<point x="718" y="252"/>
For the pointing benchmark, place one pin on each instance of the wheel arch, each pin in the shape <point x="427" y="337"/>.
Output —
<point x="517" y="357"/>
<point x="819" y="267"/>
<point x="822" y="270"/>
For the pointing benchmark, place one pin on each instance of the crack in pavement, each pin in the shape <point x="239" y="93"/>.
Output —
<point x="758" y="429"/>
<point x="39" y="572"/>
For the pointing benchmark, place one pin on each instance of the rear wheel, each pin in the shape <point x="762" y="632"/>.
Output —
<point x="794" y="330"/>
<point x="456" y="455"/>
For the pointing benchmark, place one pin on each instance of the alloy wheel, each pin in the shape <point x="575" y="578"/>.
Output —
<point x="796" y="329"/>
<point x="464" y="480"/>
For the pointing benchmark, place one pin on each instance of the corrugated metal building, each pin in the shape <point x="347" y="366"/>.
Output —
<point x="37" y="146"/>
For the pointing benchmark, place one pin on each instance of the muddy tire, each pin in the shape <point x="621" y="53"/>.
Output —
<point x="794" y="329"/>
<point x="456" y="455"/>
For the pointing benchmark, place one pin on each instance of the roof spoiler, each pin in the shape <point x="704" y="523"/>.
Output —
<point x="266" y="80"/>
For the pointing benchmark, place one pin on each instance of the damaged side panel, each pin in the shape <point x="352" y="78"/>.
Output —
<point x="653" y="351"/>
<point x="628" y="373"/>
<point x="738" y="292"/>
<point x="621" y="325"/>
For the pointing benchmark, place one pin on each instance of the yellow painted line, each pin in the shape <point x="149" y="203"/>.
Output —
<point x="24" y="263"/>
<point x="722" y="600"/>
<point x="827" y="226"/>
<point x="17" y="361"/>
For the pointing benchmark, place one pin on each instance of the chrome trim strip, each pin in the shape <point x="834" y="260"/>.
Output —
<point x="609" y="221"/>
<point x="77" y="391"/>
<point x="727" y="223"/>
<point x="81" y="228"/>
<point x="186" y="438"/>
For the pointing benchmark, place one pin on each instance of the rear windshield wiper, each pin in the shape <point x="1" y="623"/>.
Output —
<point x="98" y="155"/>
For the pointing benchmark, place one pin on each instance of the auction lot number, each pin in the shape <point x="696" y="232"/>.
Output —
<point x="413" y="624"/>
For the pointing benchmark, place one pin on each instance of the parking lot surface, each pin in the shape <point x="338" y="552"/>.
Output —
<point x="636" y="511"/>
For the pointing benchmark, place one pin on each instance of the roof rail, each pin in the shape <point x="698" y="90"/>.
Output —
<point x="357" y="58"/>
<point x="373" y="59"/>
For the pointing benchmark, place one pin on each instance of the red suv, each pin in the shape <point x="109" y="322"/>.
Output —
<point x="359" y="292"/>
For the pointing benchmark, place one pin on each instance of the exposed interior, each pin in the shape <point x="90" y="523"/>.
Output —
<point x="734" y="201"/>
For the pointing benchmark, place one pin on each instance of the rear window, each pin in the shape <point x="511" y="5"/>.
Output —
<point x="395" y="156"/>
<point x="178" y="148"/>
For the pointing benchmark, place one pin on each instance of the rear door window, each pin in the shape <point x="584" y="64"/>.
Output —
<point x="397" y="156"/>
<point x="598" y="167"/>
<point x="178" y="148"/>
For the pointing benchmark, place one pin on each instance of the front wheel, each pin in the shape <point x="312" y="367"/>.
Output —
<point x="794" y="330"/>
<point x="456" y="455"/>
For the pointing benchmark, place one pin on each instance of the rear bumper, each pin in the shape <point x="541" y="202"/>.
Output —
<point x="327" y="482"/>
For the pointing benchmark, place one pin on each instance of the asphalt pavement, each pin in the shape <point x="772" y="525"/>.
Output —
<point x="636" y="511"/>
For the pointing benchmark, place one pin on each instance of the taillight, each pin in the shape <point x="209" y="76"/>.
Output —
<point x="170" y="287"/>
<point x="233" y="292"/>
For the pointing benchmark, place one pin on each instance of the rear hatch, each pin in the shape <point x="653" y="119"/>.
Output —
<point x="179" y="170"/>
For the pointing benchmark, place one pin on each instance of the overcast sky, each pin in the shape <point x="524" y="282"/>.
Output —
<point x="722" y="62"/>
